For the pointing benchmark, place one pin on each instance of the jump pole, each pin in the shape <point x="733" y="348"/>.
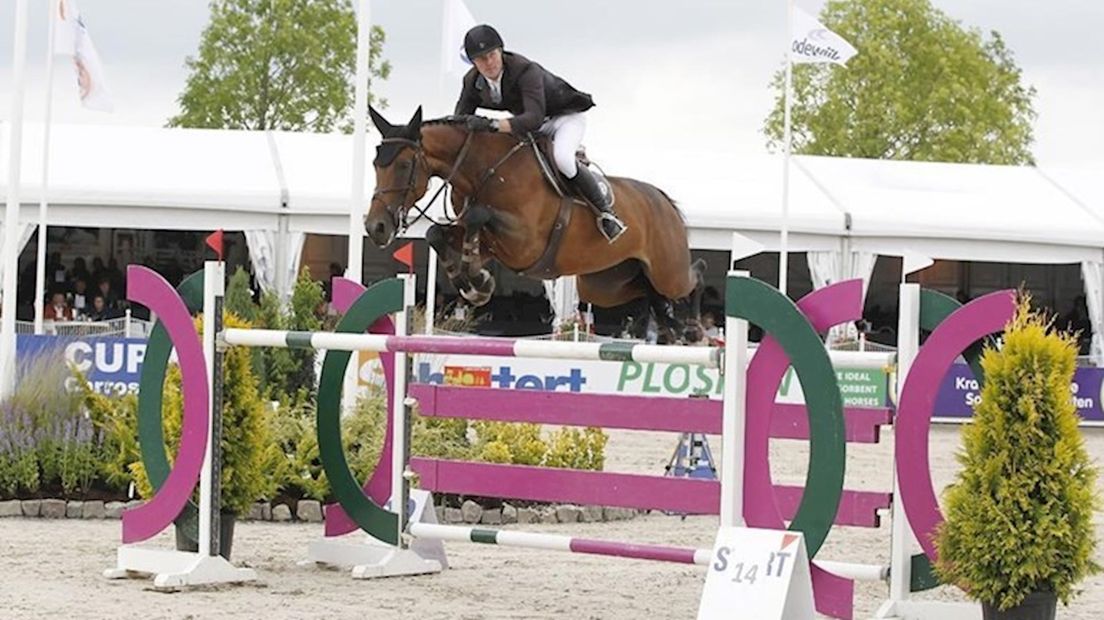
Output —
<point x="734" y="363"/>
<point x="399" y="560"/>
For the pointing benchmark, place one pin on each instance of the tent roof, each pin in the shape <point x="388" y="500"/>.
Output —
<point x="970" y="212"/>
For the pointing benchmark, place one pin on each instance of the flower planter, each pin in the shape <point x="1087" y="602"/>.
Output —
<point x="226" y="536"/>
<point x="1037" y="606"/>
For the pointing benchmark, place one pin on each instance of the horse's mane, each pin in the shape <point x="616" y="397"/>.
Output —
<point x="450" y="120"/>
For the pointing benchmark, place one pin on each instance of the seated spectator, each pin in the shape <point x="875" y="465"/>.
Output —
<point x="81" y="299"/>
<point x="110" y="300"/>
<point x="709" y="325"/>
<point x="99" y="310"/>
<point x="58" y="309"/>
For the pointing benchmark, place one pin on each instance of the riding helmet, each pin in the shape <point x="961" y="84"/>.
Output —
<point x="481" y="40"/>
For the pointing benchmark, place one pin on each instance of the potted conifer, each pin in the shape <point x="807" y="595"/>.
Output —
<point x="246" y="441"/>
<point x="1019" y="533"/>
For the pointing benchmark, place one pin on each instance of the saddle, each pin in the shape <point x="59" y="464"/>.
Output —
<point x="542" y="149"/>
<point x="544" y="268"/>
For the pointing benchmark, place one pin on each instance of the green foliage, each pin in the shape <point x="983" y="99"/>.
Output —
<point x="246" y="438"/>
<point x="577" y="448"/>
<point x="117" y="419"/>
<point x="286" y="373"/>
<point x="239" y="297"/>
<point x="279" y="363"/>
<point x="523" y="444"/>
<point x="307" y="298"/>
<point x="277" y="64"/>
<point x="444" y="438"/>
<point x="246" y="431"/>
<point x="922" y="87"/>
<point x="1019" y="517"/>
<point x="295" y="461"/>
<point x="500" y="442"/>
<point x="48" y="443"/>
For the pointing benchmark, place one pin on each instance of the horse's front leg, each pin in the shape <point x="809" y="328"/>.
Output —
<point x="448" y="241"/>
<point x="481" y="284"/>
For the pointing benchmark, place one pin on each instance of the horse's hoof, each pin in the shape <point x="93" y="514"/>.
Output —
<point x="486" y="283"/>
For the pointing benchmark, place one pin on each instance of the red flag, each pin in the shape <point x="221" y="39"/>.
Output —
<point x="405" y="255"/>
<point x="214" y="241"/>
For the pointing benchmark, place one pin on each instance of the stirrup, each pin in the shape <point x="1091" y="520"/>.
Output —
<point x="621" y="227"/>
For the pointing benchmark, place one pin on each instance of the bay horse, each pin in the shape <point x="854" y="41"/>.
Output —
<point x="508" y="210"/>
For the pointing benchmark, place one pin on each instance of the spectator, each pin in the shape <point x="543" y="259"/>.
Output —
<point x="58" y="310"/>
<point x="709" y="326"/>
<point x="97" y="269"/>
<point x="56" y="271"/>
<point x="110" y="300"/>
<point x="82" y="301"/>
<point x="80" y="271"/>
<point x="114" y="274"/>
<point x="99" y="310"/>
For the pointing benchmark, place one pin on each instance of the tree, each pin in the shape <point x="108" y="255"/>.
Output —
<point x="277" y="64"/>
<point x="922" y="87"/>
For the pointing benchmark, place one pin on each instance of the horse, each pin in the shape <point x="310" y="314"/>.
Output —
<point x="510" y="210"/>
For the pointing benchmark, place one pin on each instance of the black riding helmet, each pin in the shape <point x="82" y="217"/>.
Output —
<point x="481" y="40"/>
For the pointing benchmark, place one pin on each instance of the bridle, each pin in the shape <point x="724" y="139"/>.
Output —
<point x="398" y="211"/>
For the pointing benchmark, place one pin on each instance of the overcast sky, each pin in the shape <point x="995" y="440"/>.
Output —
<point x="665" y="75"/>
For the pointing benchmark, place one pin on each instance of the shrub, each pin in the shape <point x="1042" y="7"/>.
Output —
<point x="246" y="431"/>
<point x="1019" y="517"/>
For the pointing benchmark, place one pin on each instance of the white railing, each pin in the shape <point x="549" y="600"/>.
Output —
<point x="125" y="326"/>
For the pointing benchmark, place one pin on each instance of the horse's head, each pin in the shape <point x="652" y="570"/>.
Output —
<point x="402" y="176"/>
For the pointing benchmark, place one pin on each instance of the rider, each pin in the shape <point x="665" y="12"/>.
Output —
<point x="540" y="101"/>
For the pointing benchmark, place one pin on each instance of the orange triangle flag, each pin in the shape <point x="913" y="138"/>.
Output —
<point x="405" y="255"/>
<point x="214" y="241"/>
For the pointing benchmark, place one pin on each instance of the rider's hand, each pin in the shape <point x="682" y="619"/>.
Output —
<point x="504" y="126"/>
<point x="478" y="123"/>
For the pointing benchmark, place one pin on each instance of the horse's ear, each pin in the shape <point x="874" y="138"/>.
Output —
<point x="414" y="127"/>
<point x="385" y="128"/>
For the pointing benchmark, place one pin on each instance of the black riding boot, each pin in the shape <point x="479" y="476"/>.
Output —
<point x="608" y="223"/>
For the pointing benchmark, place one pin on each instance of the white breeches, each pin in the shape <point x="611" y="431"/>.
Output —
<point x="567" y="134"/>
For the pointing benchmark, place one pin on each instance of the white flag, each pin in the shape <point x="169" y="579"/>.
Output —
<point x="458" y="21"/>
<point x="812" y="42"/>
<point x="72" y="39"/>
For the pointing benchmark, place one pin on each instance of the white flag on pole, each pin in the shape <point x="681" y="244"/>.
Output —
<point x="812" y="42"/>
<point x="458" y="21"/>
<point x="73" y="40"/>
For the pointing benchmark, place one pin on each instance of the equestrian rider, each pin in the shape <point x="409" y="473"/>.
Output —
<point x="539" y="101"/>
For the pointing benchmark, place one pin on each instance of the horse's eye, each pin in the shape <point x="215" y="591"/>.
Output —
<point x="403" y="166"/>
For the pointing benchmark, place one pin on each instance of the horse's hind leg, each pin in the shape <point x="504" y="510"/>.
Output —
<point x="676" y="301"/>
<point x="663" y="311"/>
<point x="688" y="309"/>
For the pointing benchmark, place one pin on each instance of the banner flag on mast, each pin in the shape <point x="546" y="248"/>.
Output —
<point x="457" y="22"/>
<point x="813" y="43"/>
<point x="73" y="40"/>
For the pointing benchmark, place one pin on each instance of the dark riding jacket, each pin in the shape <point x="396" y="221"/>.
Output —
<point x="529" y="91"/>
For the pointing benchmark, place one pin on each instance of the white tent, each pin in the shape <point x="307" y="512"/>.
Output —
<point x="278" y="186"/>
